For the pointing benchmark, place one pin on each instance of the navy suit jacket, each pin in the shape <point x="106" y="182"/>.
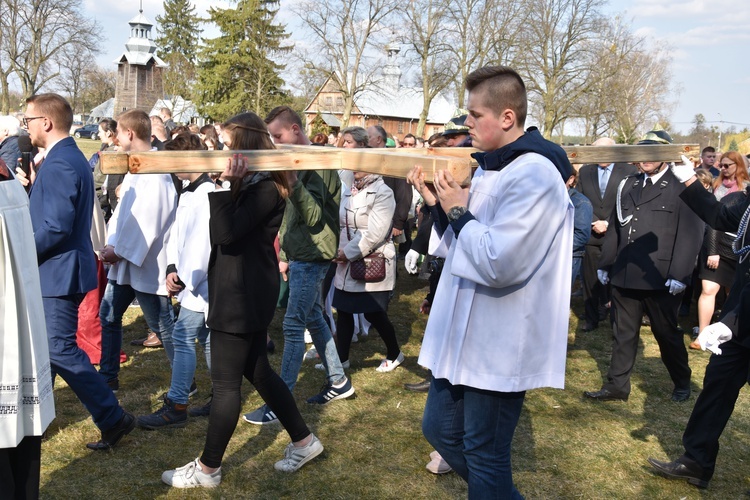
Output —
<point x="62" y="205"/>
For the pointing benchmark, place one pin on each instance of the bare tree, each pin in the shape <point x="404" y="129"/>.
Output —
<point x="424" y="22"/>
<point x="469" y="23"/>
<point x="73" y="63"/>
<point x="40" y="31"/>
<point x="561" y="45"/>
<point x="98" y="85"/>
<point x="642" y="90"/>
<point x="343" y="31"/>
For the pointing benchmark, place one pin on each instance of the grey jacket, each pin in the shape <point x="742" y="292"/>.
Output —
<point x="369" y="214"/>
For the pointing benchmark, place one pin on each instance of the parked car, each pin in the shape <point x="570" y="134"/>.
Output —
<point x="91" y="131"/>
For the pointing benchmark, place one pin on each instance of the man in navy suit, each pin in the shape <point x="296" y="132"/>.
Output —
<point x="61" y="206"/>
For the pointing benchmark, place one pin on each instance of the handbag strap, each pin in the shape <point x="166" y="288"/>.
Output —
<point x="349" y="236"/>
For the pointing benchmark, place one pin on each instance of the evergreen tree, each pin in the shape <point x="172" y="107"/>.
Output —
<point x="237" y="73"/>
<point x="179" y="30"/>
<point x="733" y="146"/>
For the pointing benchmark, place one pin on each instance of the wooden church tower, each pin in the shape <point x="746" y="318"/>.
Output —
<point x="139" y="70"/>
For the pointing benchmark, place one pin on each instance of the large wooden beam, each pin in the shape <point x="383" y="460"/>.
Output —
<point x="592" y="154"/>
<point x="385" y="162"/>
<point x="391" y="162"/>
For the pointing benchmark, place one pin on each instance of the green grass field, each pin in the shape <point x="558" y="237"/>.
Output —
<point x="564" y="447"/>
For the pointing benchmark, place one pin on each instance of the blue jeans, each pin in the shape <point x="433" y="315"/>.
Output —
<point x="473" y="429"/>
<point x="305" y="310"/>
<point x="73" y="365"/>
<point x="157" y="311"/>
<point x="190" y="326"/>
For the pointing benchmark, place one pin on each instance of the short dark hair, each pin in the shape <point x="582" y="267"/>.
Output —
<point x="185" y="142"/>
<point x="410" y="136"/>
<point x="708" y="149"/>
<point x="109" y="125"/>
<point x="137" y="121"/>
<point x="503" y="87"/>
<point x="55" y="108"/>
<point x="286" y="114"/>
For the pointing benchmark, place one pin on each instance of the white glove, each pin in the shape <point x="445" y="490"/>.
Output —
<point x="602" y="276"/>
<point x="683" y="171"/>
<point x="410" y="261"/>
<point x="714" y="335"/>
<point x="675" y="287"/>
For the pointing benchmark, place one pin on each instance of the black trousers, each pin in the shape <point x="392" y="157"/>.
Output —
<point x="661" y="307"/>
<point x="725" y="376"/>
<point x="19" y="469"/>
<point x="595" y="295"/>
<point x="232" y="358"/>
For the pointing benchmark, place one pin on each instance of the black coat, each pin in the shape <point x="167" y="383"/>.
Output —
<point x="661" y="241"/>
<point x="588" y="185"/>
<point x="736" y="310"/>
<point x="243" y="271"/>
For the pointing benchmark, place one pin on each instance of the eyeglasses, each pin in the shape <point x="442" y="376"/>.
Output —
<point x="26" y="120"/>
<point x="726" y="165"/>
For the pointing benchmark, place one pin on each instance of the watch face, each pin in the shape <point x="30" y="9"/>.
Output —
<point x="226" y="184"/>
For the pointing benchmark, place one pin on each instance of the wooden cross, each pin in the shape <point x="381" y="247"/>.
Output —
<point x="390" y="162"/>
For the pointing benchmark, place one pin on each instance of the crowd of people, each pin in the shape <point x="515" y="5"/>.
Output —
<point x="221" y="246"/>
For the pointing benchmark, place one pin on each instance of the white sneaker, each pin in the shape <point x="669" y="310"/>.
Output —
<point x="295" y="457"/>
<point x="387" y="365"/>
<point x="320" y="366"/>
<point x="308" y="337"/>
<point x="311" y="354"/>
<point x="191" y="476"/>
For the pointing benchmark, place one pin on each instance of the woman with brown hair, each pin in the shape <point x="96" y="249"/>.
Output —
<point x="210" y="138"/>
<point x="243" y="285"/>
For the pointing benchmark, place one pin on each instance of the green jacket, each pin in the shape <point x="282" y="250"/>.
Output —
<point x="310" y="230"/>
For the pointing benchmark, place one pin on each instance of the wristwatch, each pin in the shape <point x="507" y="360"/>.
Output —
<point x="225" y="184"/>
<point x="455" y="213"/>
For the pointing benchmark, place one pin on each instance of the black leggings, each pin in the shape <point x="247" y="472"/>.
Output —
<point x="345" y="332"/>
<point x="233" y="357"/>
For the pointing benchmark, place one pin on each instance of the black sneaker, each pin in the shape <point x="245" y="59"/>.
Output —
<point x="330" y="393"/>
<point x="201" y="411"/>
<point x="114" y="384"/>
<point x="193" y="389"/>
<point x="169" y="415"/>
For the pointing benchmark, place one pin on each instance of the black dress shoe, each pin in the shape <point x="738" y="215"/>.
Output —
<point x="680" y="395"/>
<point x="606" y="395"/>
<point x="678" y="470"/>
<point x="112" y="436"/>
<point x="589" y="327"/>
<point x="422" y="386"/>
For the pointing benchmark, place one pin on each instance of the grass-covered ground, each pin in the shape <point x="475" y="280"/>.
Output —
<point x="565" y="446"/>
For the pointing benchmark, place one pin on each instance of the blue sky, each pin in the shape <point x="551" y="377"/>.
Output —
<point x="709" y="68"/>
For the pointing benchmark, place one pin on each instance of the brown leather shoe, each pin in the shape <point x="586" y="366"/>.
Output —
<point x="695" y="345"/>
<point x="152" y="340"/>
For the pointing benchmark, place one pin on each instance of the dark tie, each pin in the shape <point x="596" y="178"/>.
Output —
<point x="647" y="187"/>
